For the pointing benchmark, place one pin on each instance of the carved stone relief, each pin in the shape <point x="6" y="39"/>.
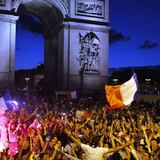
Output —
<point x="89" y="55"/>
<point x="94" y="8"/>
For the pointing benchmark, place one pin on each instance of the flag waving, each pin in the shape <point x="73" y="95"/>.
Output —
<point x="122" y="95"/>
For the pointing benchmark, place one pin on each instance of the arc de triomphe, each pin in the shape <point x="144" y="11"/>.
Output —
<point x="75" y="41"/>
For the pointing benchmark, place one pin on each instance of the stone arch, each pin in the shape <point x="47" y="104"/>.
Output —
<point x="61" y="5"/>
<point x="63" y="21"/>
<point x="52" y="18"/>
<point x="51" y="13"/>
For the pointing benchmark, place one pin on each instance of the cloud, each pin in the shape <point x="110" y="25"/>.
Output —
<point x="115" y="36"/>
<point x="30" y="23"/>
<point x="148" y="44"/>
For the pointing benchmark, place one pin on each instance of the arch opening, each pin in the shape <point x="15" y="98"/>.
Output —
<point x="29" y="53"/>
<point x="30" y="40"/>
<point x="43" y="21"/>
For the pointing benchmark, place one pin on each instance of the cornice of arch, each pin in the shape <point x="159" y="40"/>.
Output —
<point x="51" y="12"/>
<point x="61" y="5"/>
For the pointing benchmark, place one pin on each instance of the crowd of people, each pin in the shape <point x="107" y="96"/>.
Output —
<point x="59" y="128"/>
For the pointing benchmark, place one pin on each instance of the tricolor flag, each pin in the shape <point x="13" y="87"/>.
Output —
<point x="122" y="95"/>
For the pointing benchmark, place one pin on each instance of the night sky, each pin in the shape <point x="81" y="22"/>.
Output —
<point x="134" y="36"/>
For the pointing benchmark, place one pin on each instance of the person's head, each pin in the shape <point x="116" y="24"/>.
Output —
<point x="106" y="145"/>
<point x="145" y="156"/>
<point x="48" y="139"/>
<point x="53" y="141"/>
<point x="154" y="145"/>
<point x="44" y="156"/>
<point x="117" y="144"/>
<point x="13" y="126"/>
<point x="59" y="144"/>
<point x="116" y="156"/>
<point x="64" y="157"/>
<point x="82" y="156"/>
<point x="96" y="141"/>
<point x="140" y="148"/>
<point x="36" y="141"/>
<point x="25" y="125"/>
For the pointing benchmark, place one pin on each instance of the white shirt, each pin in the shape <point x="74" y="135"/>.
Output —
<point x="68" y="148"/>
<point x="93" y="153"/>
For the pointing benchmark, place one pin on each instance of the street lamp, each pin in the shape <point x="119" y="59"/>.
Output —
<point x="148" y="80"/>
<point x="115" y="80"/>
<point x="27" y="80"/>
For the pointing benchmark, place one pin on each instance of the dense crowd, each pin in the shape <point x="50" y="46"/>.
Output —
<point x="59" y="128"/>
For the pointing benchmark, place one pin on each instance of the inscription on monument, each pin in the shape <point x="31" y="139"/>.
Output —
<point x="89" y="59"/>
<point x="93" y="8"/>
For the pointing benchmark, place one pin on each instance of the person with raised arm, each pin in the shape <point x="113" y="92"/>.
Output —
<point x="98" y="152"/>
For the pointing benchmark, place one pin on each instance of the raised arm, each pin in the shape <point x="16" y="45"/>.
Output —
<point x="69" y="134"/>
<point x="31" y="115"/>
<point x="146" y="138"/>
<point x="120" y="147"/>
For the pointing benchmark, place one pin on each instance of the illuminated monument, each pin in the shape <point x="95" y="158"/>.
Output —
<point x="75" y="41"/>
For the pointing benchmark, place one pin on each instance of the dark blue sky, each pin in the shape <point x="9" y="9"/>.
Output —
<point x="134" y="39"/>
<point x="29" y="43"/>
<point x="137" y="21"/>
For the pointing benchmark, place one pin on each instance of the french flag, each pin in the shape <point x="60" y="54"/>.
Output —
<point x="122" y="95"/>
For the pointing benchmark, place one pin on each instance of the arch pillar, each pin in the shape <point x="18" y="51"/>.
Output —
<point x="50" y="59"/>
<point x="7" y="49"/>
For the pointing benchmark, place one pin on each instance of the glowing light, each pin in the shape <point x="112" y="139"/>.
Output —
<point x="15" y="102"/>
<point x="1" y="147"/>
<point x="37" y="115"/>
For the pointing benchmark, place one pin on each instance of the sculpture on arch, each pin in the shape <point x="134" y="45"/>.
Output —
<point x="89" y="55"/>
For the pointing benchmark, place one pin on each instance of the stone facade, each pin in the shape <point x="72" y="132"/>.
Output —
<point x="76" y="41"/>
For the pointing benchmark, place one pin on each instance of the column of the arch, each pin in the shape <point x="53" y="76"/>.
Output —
<point x="50" y="60"/>
<point x="7" y="50"/>
<point x="63" y="57"/>
<point x="12" y="50"/>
